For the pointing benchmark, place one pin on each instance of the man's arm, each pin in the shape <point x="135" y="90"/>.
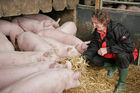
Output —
<point x="92" y="48"/>
<point x="124" y="42"/>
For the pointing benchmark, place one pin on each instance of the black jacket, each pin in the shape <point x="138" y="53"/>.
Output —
<point x="118" y="40"/>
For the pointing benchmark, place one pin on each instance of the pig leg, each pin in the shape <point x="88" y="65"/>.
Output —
<point x="6" y="45"/>
<point x="13" y="37"/>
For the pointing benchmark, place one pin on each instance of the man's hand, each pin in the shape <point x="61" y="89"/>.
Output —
<point x="102" y="51"/>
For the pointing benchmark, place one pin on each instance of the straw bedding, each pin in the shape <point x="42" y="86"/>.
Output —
<point x="93" y="79"/>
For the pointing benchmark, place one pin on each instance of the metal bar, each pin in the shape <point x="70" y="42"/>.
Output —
<point x="119" y="9"/>
<point x="101" y="4"/>
<point x="121" y="2"/>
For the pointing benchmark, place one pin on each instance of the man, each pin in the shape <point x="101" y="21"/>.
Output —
<point x="111" y="47"/>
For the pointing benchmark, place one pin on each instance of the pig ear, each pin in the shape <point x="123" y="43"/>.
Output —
<point x="58" y="21"/>
<point x="68" y="49"/>
<point x="76" y="75"/>
<point x="68" y="64"/>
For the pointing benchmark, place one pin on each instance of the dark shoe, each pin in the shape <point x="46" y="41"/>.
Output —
<point x="111" y="69"/>
<point x="122" y="79"/>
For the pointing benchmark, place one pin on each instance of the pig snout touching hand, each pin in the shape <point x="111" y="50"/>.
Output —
<point x="61" y="49"/>
<point x="47" y="81"/>
<point x="6" y="45"/>
<point x="10" y="29"/>
<point x="29" y="41"/>
<point x="63" y="38"/>
<point x="41" y="17"/>
<point x="83" y="47"/>
<point x="69" y="28"/>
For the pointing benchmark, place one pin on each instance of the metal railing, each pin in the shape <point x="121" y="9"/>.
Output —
<point x="118" y="2"/>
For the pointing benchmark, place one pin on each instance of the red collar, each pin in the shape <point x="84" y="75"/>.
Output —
<point x="105" y="30"/>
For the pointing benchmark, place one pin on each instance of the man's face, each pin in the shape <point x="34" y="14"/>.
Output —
<point x="97" y="24"/>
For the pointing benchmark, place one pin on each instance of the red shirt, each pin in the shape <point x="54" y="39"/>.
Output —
<point x="103" y="35"/>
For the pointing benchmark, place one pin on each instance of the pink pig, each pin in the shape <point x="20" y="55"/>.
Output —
<point x="41" y="17"/>
<point x="68" y="27"/>
<point x="18" y="58"/>
<point x="11" y="74"/>
<point x="5" y="44"/>
<point x="10" y="29"/>
<point x="65" y="38"/>
<point x="29" y="41"/>
<point x="47" y="81"/>
<point x="121" y="7"/>
<point x="135" y="8"/>
<point x="31" y="24"/>
<point x="62" y="50"/>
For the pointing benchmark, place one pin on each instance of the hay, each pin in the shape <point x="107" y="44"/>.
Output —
<point x="94" y="80"/>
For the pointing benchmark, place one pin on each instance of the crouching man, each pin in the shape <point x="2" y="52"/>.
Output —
<point x="111" y="47"/>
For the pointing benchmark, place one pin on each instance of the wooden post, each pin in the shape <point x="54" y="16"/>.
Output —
<point x="87" y="2"/>
<point x="97" y="4"/>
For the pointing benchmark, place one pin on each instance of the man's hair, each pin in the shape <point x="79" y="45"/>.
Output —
<point x="101" y="16"/>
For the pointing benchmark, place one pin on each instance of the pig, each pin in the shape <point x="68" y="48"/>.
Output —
<point x="28" y="41"/>
<point x="41" y="17"/>
<point x="47" y="81"/>
<point x="121" y="7"/>
<point x="5" y="44"/>
<point x="62" y="50"/>
<point x="30" y="24"/>
<point x="19" y="57"/>
<point x="135" y="8"/>
<point x="64" y="38"/>
<point x="10" y="29"/>
<point x="68" y="27"/>
<point x="11" y="74"/>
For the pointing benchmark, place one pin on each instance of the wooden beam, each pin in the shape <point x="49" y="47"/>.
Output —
<point x="45" y="5"/>
<point x="59" y="5"/>
<point x="71" y="4"/>
<point x="28" y="6"/>
<point x="97" y="4"/>
<point x="9" y="8"/>
<point x="87" y="2"/>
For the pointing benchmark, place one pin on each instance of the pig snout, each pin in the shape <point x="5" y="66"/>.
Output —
<point x="74" y="82"/>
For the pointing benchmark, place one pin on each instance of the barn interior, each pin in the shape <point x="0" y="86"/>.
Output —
<point x="93" y="79"/>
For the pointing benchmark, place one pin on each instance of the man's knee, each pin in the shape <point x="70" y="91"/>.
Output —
<point x="122" y="60"/>
<point x="122" y="56"/>
<point x="97" y="61"/>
